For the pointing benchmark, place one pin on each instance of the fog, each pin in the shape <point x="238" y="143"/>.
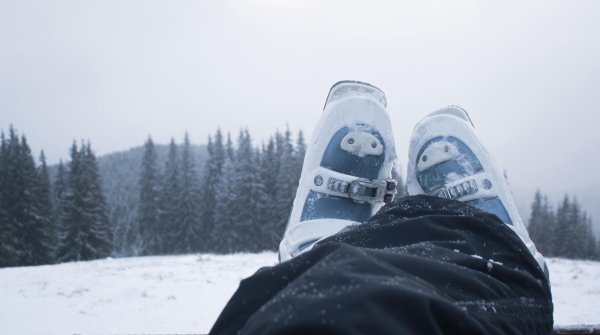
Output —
<point x="114" y="72"/>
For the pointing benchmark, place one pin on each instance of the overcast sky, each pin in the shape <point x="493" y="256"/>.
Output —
<point x="114" y="72"/>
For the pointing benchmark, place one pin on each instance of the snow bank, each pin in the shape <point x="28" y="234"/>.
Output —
<point x="184" y="294"/>
<point x="575" y="291"/>
<point x="171" y="294"/>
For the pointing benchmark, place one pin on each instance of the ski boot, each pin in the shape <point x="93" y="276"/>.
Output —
<point x="346" y="175"/>
<point x="446" y="159"/>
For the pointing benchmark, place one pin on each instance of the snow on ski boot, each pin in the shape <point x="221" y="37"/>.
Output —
<point x="446" y="159"/>
<point x="346" y="175"/>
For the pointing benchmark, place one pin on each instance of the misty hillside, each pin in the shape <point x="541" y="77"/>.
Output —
<point x="120" y="173"/>
<point x="120" y="176"/>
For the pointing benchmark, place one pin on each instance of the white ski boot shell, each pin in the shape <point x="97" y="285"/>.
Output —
<point x="346" y="175"/>
<point x="446" y="159"/>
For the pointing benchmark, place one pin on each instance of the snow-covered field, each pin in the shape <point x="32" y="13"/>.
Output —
<point x="184" y="294"/>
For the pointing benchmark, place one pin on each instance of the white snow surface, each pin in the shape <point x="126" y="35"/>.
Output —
<point x="184" y="294"/>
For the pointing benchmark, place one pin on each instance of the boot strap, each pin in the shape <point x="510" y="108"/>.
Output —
<point x="359" y="189"/>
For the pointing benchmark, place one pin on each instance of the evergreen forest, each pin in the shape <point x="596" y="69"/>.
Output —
<point x="229" y="195"/>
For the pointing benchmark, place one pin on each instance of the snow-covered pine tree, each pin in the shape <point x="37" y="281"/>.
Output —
<point x="224" y="234"/>
<point x="229" y="150"/>
<point x="32" y="245"/>
<point x="59" y="193"/>
<point x="565" y="236"/>
<point x="211" y="184"/>
<point x="88" y="233"/>
<point x="260" y="239"/>
<point x="579" y="245"/>
<point x="3" y="212"/>
<point x="299" y="153"/>
<point x="11" y="200"/>
<point x="25" y="211"/>
<point x="248" y="194"/>
<point x="594" y="252"/>
<point x="589" y="243"/>
<point x="169" y="201"/>
<point x="549" y="219"/>
<point x="286" y="180"/>
<point x="148" y="210"/>
<point x="102" y="242"/>
<point x="25" y="224"/>
<point x="8" y="253"/>
<point x="536" y="224"/>
<point x="191" y="233"/>
<point x="44" y="243"/>
<point x="73" y="233"/>
<point x="269" y="167"/>
<point x="598" y="250"/>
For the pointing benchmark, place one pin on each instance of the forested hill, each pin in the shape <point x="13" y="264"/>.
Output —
<point x="158" y="199"/>
<point x="120" y="174"/>
<point x="223" y="197"/>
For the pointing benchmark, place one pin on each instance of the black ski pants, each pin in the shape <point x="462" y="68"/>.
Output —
<point x="421" y="265"/>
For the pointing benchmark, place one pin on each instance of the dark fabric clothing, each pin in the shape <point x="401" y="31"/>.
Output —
<point x="422" y="265"/>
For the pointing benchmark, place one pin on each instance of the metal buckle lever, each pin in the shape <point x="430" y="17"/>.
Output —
<point x="372" y="191"/>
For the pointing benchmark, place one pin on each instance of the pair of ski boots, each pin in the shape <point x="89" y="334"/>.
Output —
<point x="346" y="175"/>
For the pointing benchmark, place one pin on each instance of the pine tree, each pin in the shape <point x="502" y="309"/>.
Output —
<point x="88" y="233"/>
<point x="567" y="237"/>
<point x="249" y="194"/>
<point x="13" y="201"/>
<point x="189" y="220"/>
<point x="29" y="222"/>
<point x="229" y="150"/>
<point x="536" y="226"/>
<point x="102" y="245"/>
<point x="269" y="165"/>
<point x="225" y="234"/>
<point x="589" y="242"/>
<point x="148" y="210"/>
<point x="579" y="245"/>
<point x="8" y="253"/>
<point x="299" y="153"/>
<point x="210" y="186"/>
<point x="60" y="192"/>
<point x="563" y="234"/>
<point x="261" y="204"/>
<point x="286" y="180"/>
<point x="549" y="220"/>
<point x="10" y="243"/>
<point x="44" y="242"/>
<point x="26" y="211"/>
<point x="72" y="235"/>
<point x="169" y="201"/>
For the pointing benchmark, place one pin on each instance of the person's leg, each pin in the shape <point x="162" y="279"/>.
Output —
<point x="422" y="265"/>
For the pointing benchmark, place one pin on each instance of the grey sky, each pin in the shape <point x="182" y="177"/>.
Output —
<point x="115" y="71"/>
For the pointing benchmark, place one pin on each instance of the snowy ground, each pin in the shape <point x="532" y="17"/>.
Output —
<point x="184" y="294"/>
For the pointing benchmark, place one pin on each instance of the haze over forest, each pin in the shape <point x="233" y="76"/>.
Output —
<point x="114" y="72"/>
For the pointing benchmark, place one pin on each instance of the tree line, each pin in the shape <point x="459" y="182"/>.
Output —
<point x="564" y="232"/>
<point x="241" y="203"/>
<point x="41" y="223"/>
<point x="238" y="201"/>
